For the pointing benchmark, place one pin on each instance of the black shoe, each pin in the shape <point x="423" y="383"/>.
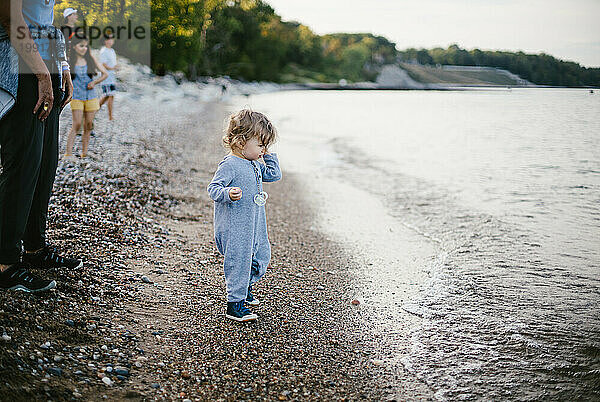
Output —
<point x="238" y="312"/>
<point x="18" y="277"/>
<point x="49" y="258"/>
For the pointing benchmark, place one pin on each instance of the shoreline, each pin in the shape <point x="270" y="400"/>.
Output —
<point x="144" y="317"/>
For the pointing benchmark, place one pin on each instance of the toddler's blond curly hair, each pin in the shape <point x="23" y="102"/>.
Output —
<point x="244" y="125"/>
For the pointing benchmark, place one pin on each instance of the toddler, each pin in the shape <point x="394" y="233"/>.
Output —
<point x="240" y="220"/>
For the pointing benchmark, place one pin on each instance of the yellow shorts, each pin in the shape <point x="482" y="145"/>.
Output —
<point x="91" y="105"/>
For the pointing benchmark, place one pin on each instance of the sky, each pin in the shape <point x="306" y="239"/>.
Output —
<point x="566" y="29"/>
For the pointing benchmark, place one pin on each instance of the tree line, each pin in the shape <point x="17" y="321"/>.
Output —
<point x="246" y="39"/>
<point x="540" y="69"/>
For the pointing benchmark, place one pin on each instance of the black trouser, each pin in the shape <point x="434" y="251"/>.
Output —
<point x="29" y="157"/>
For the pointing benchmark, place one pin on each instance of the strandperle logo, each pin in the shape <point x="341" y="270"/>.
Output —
<point x="92" y="32"/>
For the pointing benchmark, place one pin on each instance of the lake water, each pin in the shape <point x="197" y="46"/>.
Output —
<point x="506" y="185"/>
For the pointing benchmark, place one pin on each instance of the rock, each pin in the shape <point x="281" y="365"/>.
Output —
<point x="45" y="345"/>
<point x="145" y="279"/>
<point x="355" y="302"/>
<point x="55" y="371"/>
<point x="107" y="381"/>
<point x="377" y="362"/>
<point x="248" y="389"/>
<point x="6" y="337"/>
<point x="155" y="385"/>
<point x="185" y="374"/>
<point x="70" y="323"/>
<point x="119" y="370"/>
<point x="320" y="287"/>
<point x="58" y="358"/>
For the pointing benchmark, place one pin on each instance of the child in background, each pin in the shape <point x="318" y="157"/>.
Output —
<point x="85" y="99"/>
<point x="108" y="58"/>
<point x="240" y="220"/>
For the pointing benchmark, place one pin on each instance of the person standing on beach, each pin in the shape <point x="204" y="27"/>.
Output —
<point x="33" y="70"/>
<point x="108" y="58"/>
<point x="240" y="221"/>
<point x="85" y="99"/>
<point x="71" y="17"/>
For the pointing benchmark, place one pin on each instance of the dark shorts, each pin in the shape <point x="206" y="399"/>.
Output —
<point x="109" y="90"/>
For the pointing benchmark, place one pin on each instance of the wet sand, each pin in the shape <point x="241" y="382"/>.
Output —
<point x="144" y="318"/>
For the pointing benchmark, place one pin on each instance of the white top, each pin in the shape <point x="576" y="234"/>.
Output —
<point x="109" y="57"/>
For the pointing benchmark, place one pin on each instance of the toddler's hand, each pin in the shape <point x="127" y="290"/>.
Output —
<point x="235" y="193"/>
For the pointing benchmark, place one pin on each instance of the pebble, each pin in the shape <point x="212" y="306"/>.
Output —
<point x="145" y="279"/>
<point x="6" y="337"/>
<point x="45" y="345"/>
<point x="58" y="358"/>
<point x="70" y="323"/>
<point x="55" y="371"/>
<point x="119" y="370"/>
<point x="320" y="287"/>
<point x="107" y="381"/>
<point x="355" y="302"/>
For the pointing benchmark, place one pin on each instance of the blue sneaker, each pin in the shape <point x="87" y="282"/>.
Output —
<point x="250" y="299"/>
<point x="238" y="312"/>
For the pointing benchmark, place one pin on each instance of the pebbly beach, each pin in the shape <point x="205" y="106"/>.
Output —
<point x="143" y="319"/>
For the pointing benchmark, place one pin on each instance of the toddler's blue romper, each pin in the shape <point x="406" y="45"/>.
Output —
<point x="241" y="226"/>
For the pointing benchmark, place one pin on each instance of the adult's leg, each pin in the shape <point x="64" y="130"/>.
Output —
<point x="77" y="122"/>
<point x="88" y="124"/>
<point x="21" y="138"/>
<point x="35" y="231"/>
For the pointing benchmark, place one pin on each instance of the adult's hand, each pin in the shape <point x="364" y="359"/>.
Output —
<point x="45" y="96"/>
<point x="11" y="18"/>
<point x="67" y="87"/>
